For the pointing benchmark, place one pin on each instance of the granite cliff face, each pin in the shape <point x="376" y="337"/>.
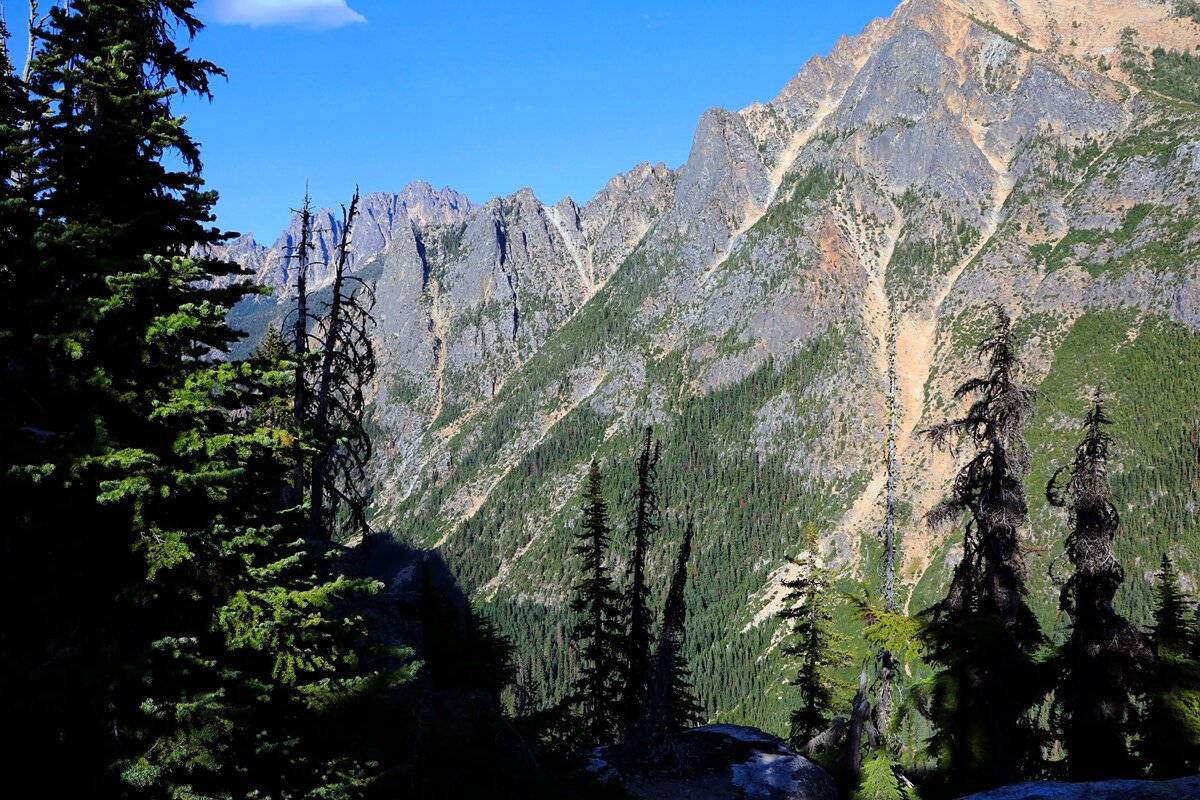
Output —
<point x="381" y="215"/>
<point x="809" y="283"/>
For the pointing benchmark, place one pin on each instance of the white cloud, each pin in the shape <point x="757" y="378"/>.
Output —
<point x="308" y="13"/>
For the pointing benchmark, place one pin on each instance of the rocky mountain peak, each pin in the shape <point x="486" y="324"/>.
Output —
<point x="805" y="288"/>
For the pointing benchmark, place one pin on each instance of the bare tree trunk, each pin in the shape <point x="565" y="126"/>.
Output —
<point x="852" y="752"/>
<point x="333" y="332"/>
<point x="300" y="397"/>
<point x="887" y="662"/>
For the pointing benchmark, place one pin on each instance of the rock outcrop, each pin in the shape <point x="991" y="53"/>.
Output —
<point x="753" y="302"/>
<point x="1180" y="789"/>
<point x="717" y="762"/>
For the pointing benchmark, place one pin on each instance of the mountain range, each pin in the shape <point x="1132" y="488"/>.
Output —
<point x="806" y="290"/>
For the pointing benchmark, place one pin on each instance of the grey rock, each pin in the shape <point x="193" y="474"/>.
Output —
<point x="716" y="762"/>
<point x="1179" y="789"/>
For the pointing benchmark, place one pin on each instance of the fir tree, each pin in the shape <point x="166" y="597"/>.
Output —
<point x="812" y="642"/>
<point x="983" y="633"/>
<point x="273" y="353"/>
<point x="1102" y="663"/>
<point x="181" y="639"/>
<point x="644" y="525"/>
<point x="882" y="780"/>
<point x="671" y="704"/>
<point x="1169" y="743"/>
<point x="596" y="636"/>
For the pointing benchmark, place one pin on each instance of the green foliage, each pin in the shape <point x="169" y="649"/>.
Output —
<point x="597" y="635"/>
<point x="182" y="637"/>
<point x="881" y="780"/>
<point x="1121" y="237"/>
<point x="812" y="643"/>
<point x="1008" y="37"/>
<point x="1188" y="8"/>
<point x="1169" y="741"/>
<point x="897" y="633"/>
<point x="1172" y="72"/>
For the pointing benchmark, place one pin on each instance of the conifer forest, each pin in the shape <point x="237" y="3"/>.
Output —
<point x="855" y="458"/>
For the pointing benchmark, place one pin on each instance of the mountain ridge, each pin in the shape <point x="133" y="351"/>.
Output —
<point x="758" y="295"/>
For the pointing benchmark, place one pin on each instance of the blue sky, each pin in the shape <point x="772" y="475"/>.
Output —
<point x="483" y="97"/>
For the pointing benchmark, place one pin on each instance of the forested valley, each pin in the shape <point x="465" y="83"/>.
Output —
<point x="205" y="597"/>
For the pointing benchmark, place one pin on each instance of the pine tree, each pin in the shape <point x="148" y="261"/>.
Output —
<point x="644" y="526"/>
<point x="983" y="633"/>
<point x="179" y="639"/>
<point x="671" y="704"/>
<point x="811" y="640"/>
<point x="596" y="636"/>
<point x="1101" y="665"/>
<point x="881" y="780"/>
<point x="272" y="354"/>
<point x="1169" y="743"/>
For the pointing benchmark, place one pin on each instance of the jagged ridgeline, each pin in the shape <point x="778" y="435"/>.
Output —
<point x="1045" y="155"/>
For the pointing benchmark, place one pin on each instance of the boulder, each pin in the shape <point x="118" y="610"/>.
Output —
<point x="1179" y="789"/>
<point x="715" y="762"/>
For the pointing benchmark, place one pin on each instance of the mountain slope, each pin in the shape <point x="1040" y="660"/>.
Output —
<point x="752" y="302"/>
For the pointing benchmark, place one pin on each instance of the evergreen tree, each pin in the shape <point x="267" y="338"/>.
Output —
<point x="902" y="637"/>
<point x="180" y="638"/>
<point x="812" y="641"/>
<point x="298" y="256"/>
<point x="1102" y="663"/>
<point x="596" y="636"/>
<point x="1169" y="743"/>
<point x="983" y="633"/>
<point x="272" y="353"/>
<point x="644" y="525"/>
<point x="1196" y="633"/>
<point x="671" y="704"/>
<point x="882" y="780"/>
<point x="1170" y="632"/>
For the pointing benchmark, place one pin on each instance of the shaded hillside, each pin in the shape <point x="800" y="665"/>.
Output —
<point x="750" y="303"/>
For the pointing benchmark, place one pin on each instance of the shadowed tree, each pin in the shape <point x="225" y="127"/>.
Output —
<point x="813" y="644"/>
<point x="345" y="369"/>
<point x="670" y="701"/>
<point x="1102" y="663"/>
<point x="1169" y="743"/>
<point x="335" y="364"/>
<point x="179" y="638"/>
<point x="645" y="523"/>
<point x="596" y="635"/>
<point x="983" y="633"/>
